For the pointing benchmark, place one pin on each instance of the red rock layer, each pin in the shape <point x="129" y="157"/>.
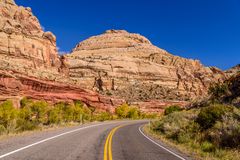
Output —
<point x="14" y="85"/>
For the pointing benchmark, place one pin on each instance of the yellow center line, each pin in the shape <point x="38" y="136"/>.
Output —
<point x="108" y="144"/>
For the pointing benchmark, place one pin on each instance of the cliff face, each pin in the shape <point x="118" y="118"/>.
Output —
<point x="233" y="71"/>
<point x="30" y="65"/>
<point x="24" y="46"/>
<point x="128" y="65"/>
<point x="99" y="69"/>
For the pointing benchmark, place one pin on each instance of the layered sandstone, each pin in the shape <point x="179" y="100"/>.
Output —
<point x="30" y="65"/>
<point x="24" y="46"/>
<point x="128" y="65"/>
<point x="15" y="86"/>
<point x="233" y="71"/>
<point x="114" y="64"/>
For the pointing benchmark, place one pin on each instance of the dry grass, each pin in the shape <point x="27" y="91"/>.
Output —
<point x="193" y="148"/>
<point x="39" y="129"/>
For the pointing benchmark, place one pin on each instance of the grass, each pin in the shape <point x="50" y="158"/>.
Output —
<point x="193" y="149"/>
<point x="180" y="130"/>
<point x="39" y="129"/>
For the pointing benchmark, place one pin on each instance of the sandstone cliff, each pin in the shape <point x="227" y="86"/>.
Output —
<point x="24" y="46"/>
<point x="128" y="65"/>
<point x="114" y="64"/>
<point x="30" y="65"/>
<point x="233" y="71"/>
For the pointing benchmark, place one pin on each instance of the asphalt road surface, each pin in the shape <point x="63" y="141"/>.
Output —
<point x="117" y="140"/>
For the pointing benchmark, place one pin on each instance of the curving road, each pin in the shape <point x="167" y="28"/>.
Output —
<point x="118" y="140"/>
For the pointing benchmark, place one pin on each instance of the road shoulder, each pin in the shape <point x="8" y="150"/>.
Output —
<point x="165" y="144"/>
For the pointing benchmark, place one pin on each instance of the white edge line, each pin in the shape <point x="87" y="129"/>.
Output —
<point x="160" y="145"/>
<point x="47" y="139"/>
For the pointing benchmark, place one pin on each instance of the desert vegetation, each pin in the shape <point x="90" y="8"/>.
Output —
<point x="210" y="129"/>
<point x="37" y="114"/>
<point x="212" y="132"/>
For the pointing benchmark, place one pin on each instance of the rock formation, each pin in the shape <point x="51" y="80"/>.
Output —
<point x="233" y="71"/>
<point x="128" y="65"/>
<point x="24" y="46"/>
<point x="114" y="64"/>
<point x="30" y="65"/>
<point x="14" y="86"/>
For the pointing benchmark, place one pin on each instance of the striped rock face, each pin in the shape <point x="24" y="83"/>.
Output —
<point x="24" y="46"/>
<point x="30" y="65"/>
<point x="102" y="71"/>
<point x="128" y="65"/>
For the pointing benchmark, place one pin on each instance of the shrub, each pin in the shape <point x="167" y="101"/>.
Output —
<point x="218" y="91"/>
<point x="55" y="115"/>
<point x="7" y="113"/>
<point x="39" y="111"/>
<point x="178" y="126"/>
<point x="133" y="113"/>
<point x="25" y="102"/>
<point x="87" y="113"/>
<point x="126" y="111"/>
<point x="24" y="125"/>
<point x="78" y="113"/>
<point x="103" y="116"/>
<point x="148" y="115"/>
<point x="122" y="111"/>
<point x="78" y="104"/>
<point x="62" y="112"/>
<point x="175" y="123"/>
<point x="172" y="109"/>
<point x="207" y="147"/>
<point x="68" y="113"/>
<point x="225" y="133"/>
<point x="2" y="129"/>
<point x="209" y="115"/>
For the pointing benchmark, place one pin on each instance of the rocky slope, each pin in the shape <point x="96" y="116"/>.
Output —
<point x="30" y="65"/>
<point x="24" y="46"/>
<point x="232" y="71"/>
<point x="128" y="65"/>
<point x="114" y="64"/>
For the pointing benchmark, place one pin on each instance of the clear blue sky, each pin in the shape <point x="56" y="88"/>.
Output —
<point x="208" y="30"/>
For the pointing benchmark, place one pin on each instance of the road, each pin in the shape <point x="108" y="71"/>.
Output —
<point x="118" y="140"/>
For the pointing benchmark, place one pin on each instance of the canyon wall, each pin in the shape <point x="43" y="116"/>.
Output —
<point x="128" y="65"/>
<point x="103" y="71"/>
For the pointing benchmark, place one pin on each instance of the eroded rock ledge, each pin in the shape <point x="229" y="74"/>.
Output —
<point x="102" y="71"/>
<point x="128" y="65"/>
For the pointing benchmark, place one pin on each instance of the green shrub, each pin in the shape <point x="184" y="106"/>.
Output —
<point x="225" y="133"/>
<point x="103" y="116"/>
<point x="55" y="115"/>
<point x="62" y="112"/>
<point x="148" y="115"/>
<point x="7" y="113"/>
<point x="78" y="113"/>
<point x="2" y="130"/>
<point x="178" y="126"/>
<point x="207" y="147"/>
<point x="39" y="111"/>
<point x="122" y="111"/>
<point x="175" y="123"/>
<point x="133" y="113"/>
<point x="25" y="102"/>
<point x="218" y="91"/>
<point x="87" y="114"/>
<point x="172" y="109"/>
<point x="68" y="113"/>
<point x="24" y="125"/>
<point x="126" y="111"/>
<point x="209" y="115"/>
